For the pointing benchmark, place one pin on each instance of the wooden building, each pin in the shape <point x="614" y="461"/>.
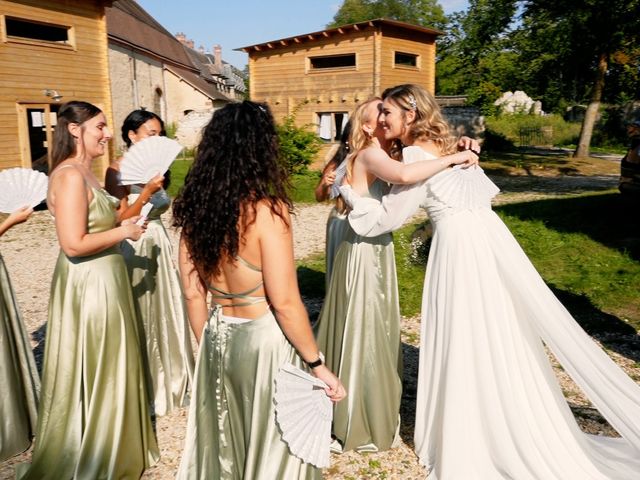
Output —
<point x="50" y="52"/>
<point x="323" y="75"/>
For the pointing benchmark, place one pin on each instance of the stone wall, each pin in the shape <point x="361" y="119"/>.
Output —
<point x="465" y="120"/>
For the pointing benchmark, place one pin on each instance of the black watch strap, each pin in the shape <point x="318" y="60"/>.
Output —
<point x="315" y="363"/>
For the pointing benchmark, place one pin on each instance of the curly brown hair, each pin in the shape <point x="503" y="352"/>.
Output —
<point x="237" y="165"/>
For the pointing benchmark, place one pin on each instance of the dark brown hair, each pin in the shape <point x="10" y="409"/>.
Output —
<point x="64" y="144"/>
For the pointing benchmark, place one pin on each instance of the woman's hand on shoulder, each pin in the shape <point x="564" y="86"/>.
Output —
<point x="468" y="143"/>
<point x="466" y="158"/>
<point x="335" y="390"/>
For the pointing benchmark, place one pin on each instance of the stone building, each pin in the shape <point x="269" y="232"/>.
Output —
<point x="152" y="69"/>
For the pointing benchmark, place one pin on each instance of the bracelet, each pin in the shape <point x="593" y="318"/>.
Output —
<point x="316" y="363"/>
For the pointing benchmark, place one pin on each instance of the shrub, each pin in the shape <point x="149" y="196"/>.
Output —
<point x="298" y="145"/>
<point x="508" y="127"/>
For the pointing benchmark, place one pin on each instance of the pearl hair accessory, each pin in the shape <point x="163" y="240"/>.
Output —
<point x="412" y="102"/>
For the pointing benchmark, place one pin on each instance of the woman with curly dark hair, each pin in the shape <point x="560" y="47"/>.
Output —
<point x="236" y="244"/>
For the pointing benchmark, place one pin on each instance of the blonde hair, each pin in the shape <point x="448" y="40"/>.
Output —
<point x="358" y="139"/>
<point x="429" y="124"/>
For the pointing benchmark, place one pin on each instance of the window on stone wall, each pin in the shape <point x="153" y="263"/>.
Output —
<point x="332" y="61"/>
<point x="402" y="59"/>
<point x="331" y="125"/>
<point x="22" y="29"/>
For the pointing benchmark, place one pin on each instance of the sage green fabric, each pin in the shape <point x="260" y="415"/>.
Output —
<point x="358" y="331"/>
<point x="19" y="380"/>
<point x="232" y="432"/>
<point x="336" y="226"/>
<point x="159" y="303"/>
<point x="94" y="420"/>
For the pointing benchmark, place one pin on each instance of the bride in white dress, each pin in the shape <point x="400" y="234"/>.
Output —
<point x="488" y="405"/>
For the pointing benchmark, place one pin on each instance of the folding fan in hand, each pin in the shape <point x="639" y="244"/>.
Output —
<point x="304" y="414"/>
<point x="21" y="187"/>
<point x="148" y="158"/>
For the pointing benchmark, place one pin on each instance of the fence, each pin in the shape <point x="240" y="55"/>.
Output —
<point x="536" y="136"/>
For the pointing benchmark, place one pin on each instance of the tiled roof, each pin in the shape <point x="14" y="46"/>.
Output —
<point x="130" y="25"/>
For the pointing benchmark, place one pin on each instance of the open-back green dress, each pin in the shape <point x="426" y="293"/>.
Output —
<point x="19" y="381"/>
<point x="94" y="420"/>
<point x="232" y="432"/>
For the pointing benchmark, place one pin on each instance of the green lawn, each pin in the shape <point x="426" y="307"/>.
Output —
<point x="583" y="246"/>
<point x="179" y="169"/>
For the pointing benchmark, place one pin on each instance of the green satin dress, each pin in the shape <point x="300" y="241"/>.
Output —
<point x="157" y="296"/>
<point x="94" y="420"/>
<point x="232" y="432"/>
<point x="336" y="226"/>
<point x="19" y="380"/>
<point x="358" y="331"/>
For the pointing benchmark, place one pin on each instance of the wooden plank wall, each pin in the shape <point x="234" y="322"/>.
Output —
<point x="280" y="75"/>
<point x="421" y="44"/>
<point x="26" y="69"/>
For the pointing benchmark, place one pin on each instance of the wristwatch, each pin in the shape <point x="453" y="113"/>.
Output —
<point x="316" y="363"/>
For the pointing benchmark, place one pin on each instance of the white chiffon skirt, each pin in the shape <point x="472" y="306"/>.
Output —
<point x="489" y="406"/>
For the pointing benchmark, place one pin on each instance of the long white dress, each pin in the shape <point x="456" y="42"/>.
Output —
<point x="488" y="405"/>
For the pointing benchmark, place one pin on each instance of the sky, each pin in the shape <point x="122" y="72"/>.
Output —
<point x="240" y="23"/>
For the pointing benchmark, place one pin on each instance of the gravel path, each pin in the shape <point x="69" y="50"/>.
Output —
<point x="30" y="251"/>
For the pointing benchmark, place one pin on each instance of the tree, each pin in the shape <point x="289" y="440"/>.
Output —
<point x="427" y="13"/>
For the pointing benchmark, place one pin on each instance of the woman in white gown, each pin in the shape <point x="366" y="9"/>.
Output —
<point x="488" y="405"/>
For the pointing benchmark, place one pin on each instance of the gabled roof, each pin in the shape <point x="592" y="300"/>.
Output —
<point x="130" y="25"/>
<point x="341" y="30"/>
<point x="199" y="83"/>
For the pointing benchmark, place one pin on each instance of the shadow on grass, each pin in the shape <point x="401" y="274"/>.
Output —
<point x="605" y="218"/>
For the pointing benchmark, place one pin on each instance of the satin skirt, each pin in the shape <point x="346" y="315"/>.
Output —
<point x="94" y="420"/>
<point x="19" y="380"/>
<point x="358" y="331"/>
<point x="157" y="296"/>
<point x="232" y="431"/>
<point x="489" y="406"/>
<point x="336" y="227"/>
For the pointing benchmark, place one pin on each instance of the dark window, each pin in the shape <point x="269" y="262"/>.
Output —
<point x="331" y="125"/>
<point x="406" y="59"/>
<point x="333" y="61"/>
<point x="43" y="32"/>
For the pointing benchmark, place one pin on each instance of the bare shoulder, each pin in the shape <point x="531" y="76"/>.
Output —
<point x="66" y="176"/>
<point x="269" y="216"/>
<point x="374" y="154"/>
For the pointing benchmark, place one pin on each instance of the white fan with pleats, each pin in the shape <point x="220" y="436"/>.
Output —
<point x="21" y="187"/>
<point x="304" y="414"/>
<point x="148" y="158"/>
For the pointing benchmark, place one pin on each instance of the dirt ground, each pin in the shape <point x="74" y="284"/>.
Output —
<point x="30" y="250"/>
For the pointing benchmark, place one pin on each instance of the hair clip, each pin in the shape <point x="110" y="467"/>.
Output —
<point x="412" y="102"/>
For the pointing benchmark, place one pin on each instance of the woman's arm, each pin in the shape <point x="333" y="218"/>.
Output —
<point x="194" y="290"/>
<point x="281" y="286"/>
<point x="127" y="211"/>
<point x="326" y="180"/>
<point x="15" y="218"/>
<point x="377" y="162"/>
<point x="69" y="191"/>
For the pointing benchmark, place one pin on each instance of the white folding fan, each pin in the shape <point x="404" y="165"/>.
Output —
<point x="304" y="414"/>
<point x="21" y="187"/>
<point x="148" y="158"/>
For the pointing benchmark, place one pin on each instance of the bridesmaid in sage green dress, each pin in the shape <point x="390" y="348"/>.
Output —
<point x="94" y="419"/>
<point x="327" y="189"/>
<point x="18" y="374"/>
<point x="236" y="237"/>
<point x="157" y="293"/>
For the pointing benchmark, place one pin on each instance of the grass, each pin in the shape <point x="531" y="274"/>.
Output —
<point x="303" y="186"/>
<point x="585" y="247"/>
<point x="179" y="169"/>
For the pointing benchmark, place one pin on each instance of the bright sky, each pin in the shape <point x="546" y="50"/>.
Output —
<point x="239" y="23"/>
